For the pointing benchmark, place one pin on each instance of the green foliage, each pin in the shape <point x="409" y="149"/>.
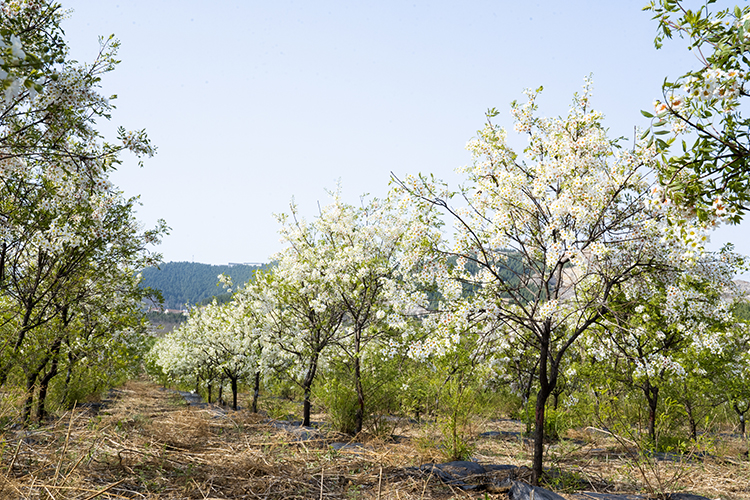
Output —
<point x="457" y="441"/>
<point x="564" y="481"/>
<point x="556" y="423"/>
<point x="279" y="408"/>
<point x="458" y="378"/>
<point x="707" y="103"/>
<point x="339" y="398"/>
<point x="385" y="394"/>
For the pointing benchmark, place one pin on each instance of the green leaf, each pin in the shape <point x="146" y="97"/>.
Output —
<point x="647" y="114"/>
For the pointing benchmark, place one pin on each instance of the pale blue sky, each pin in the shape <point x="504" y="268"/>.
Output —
<point x="253" y="103"/>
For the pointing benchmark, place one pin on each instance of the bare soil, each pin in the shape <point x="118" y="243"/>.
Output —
<point x="147" y="443"/>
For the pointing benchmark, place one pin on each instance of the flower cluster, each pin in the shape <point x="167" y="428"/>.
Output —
<point x="714" y="84"/>
<point x="656" y="364"/>
<point x="547" y="309"/>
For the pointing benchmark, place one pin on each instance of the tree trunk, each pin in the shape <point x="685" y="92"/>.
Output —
<point x="360" y="413"/>
<point x="29" y="402"/>
<point x="742" y="425"/>
<point x="233" y="381"/>
<point x="68" y="376"/>
<point x="3" y="253"/>
<point x="306" y="408"/>
<point x="691" y="420"/>
<point x="23" y="329"/>
<point x="307" y="386"/>
<point x="256" y="392"/>
<point x="547" y="382"/>
<point x="537" y="470"/>
<point x="652" y="396"/>
<point x="741" y="413"/>
<point x="41" y="399"/>
<point x="32" y="376"/>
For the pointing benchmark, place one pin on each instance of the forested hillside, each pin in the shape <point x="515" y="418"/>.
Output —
<point x="189" y="283"/>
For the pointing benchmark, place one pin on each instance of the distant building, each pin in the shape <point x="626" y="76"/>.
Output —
<point x="184" y="312"/>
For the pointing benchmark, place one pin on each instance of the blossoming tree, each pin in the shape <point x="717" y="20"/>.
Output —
<point x="302" y="316"/>
<point x="60" y="216"/>
<point x="361" y="246"/>
<point x="666" y="328"/>
<point x="219" y="341"/>
<point x="337" y="291"/>
<point x="734" y="379"/>
<point x="549" y="238"/>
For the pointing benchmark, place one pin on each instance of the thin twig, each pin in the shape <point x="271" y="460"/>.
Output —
<point x="380" y="481"/>
<point x="15" y="455"/>
<point x="65" y="479"/>
<point x="425" y="486"/>
<point x="49" y="493"/>
<point x="104" y="490"/>
<point x="204" y="495"/>
<point x="83" y="455"/>
<point x="321" y="482"/>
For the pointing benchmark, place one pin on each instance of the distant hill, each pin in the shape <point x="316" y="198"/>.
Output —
<point x="191" y="283"/>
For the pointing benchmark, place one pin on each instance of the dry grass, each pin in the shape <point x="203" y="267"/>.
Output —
<point x="147" y="444"/>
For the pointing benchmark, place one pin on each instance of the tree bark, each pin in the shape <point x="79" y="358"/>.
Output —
<point x="256" y="392"/>
<point x="32" y="376"/>
<point x="3" y="253"/>
<point x="742" y="425"/>
<point x="306" y="408"/>
<point x="652" y="397"/>
<point x="28" y="403"/>
<point x="307" y="387"/>
<point x="547" y="381"/>
<point x="537" y="469"/>
<point x="68" y="376"/>
<point x="360" y="413"/>
<point x="233" y="381"/>
<point x="41" y="399"/>
<point x="741" y="413"/>
<point x="691" y="420"/>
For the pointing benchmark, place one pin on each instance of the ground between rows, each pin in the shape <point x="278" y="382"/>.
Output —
<point x="146" y="442"/>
